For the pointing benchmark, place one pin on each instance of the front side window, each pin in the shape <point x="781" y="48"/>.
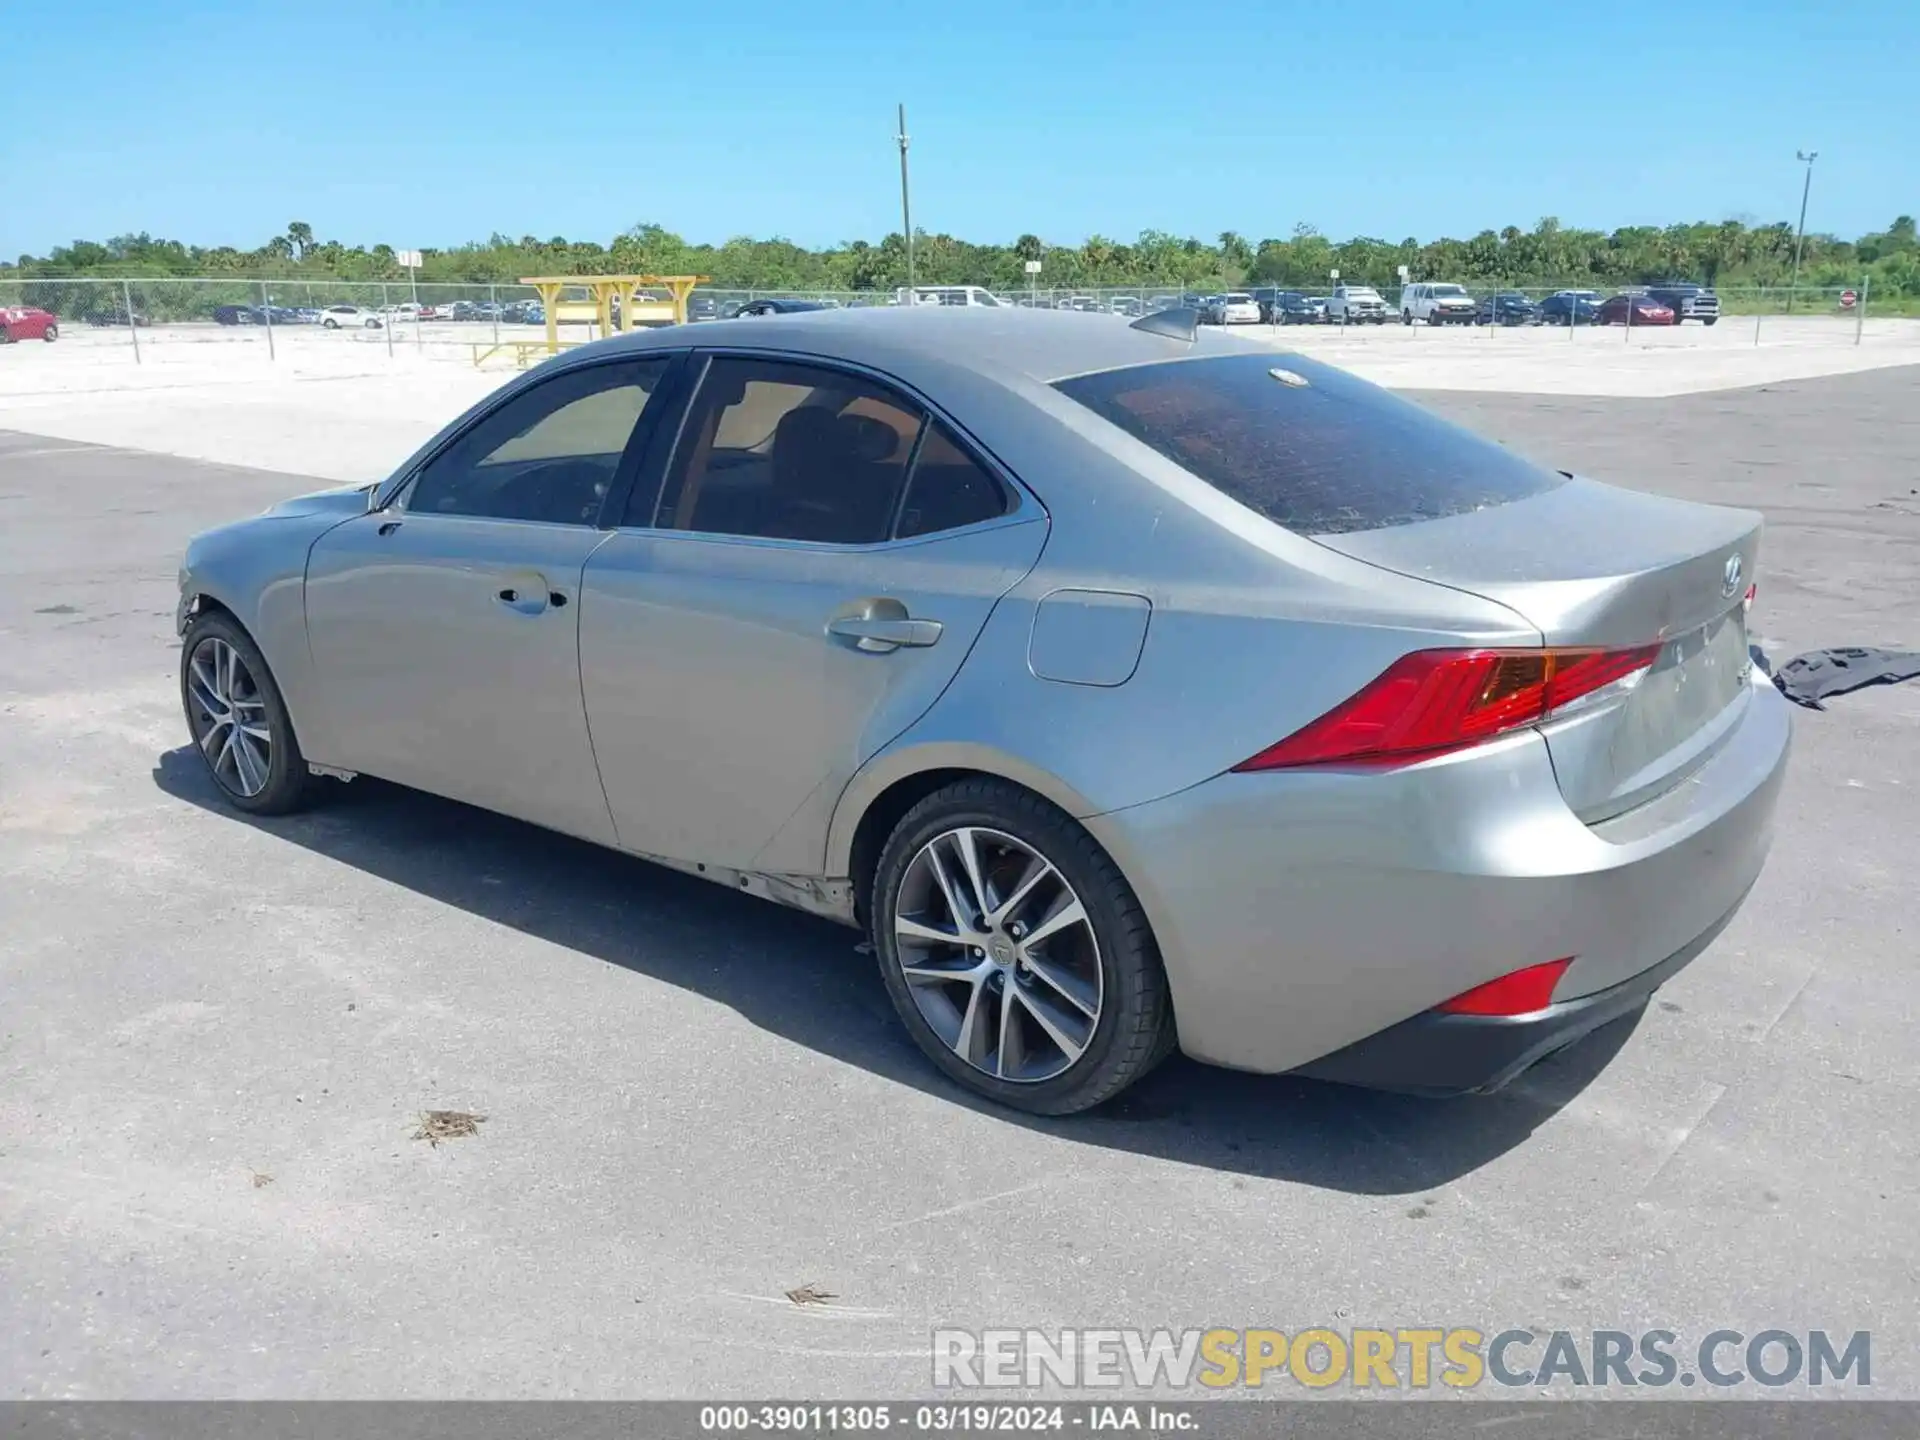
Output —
<point x="784" y="451"/>
<point x="549" y="454"/>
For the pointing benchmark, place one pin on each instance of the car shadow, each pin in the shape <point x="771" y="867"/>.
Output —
<point x="801" y="977"/>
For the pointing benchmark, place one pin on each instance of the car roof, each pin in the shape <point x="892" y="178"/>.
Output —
<point x="1039" y="345"/>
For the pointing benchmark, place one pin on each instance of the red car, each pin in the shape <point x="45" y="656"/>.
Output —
<point x="1615" y="309"/>
<point x="27" y="322"/>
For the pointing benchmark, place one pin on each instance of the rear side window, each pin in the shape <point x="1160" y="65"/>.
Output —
<point x="1309" y="447"/>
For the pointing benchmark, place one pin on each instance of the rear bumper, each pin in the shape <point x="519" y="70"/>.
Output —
<point x="1299" y="913"/>
<point x="1437" y="1054"/>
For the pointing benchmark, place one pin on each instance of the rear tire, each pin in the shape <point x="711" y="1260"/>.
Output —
<point x="50" y="334"/>
<point x="234" y="711"/>
<point x="1099" y="1017"/>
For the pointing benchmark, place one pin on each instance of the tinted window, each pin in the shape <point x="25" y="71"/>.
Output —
<point x="949" y="488"/>
<point x="789" y="452"/>
<point x="548" y="454"/>
<point x="1335" y="454"/>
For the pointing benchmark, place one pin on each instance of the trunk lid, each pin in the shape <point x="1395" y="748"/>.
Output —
<point x="1590" y="564"/>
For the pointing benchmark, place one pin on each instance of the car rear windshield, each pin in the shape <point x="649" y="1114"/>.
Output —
<point x="1309" y="447"/>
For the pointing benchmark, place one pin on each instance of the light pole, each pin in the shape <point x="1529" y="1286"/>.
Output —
<point x="1806" y="157"/>
<point x="906" y="213"/>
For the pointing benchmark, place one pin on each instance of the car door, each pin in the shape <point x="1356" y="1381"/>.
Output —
<point x="822" y="554"/>
<point x="444" y="628"/>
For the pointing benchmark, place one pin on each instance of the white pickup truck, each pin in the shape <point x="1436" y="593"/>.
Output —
<point x="1356" y="305"/>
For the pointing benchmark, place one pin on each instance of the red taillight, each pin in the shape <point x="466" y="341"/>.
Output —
<point x="1438" y="700"/>
<point x="1521" y="993"/>
<point x="1752" y="590"/>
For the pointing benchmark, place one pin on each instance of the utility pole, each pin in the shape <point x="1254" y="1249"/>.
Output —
<point x="906" y="212"/>
<point x="1806" y="157"/>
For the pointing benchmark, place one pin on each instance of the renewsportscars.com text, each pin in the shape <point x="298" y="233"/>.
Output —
<point x="1460" y="1358"/>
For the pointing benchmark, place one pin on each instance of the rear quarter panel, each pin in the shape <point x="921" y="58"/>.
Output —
<point x="1253" y="632"/>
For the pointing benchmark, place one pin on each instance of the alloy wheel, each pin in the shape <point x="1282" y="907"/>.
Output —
<point x="999" y="954"/>
<point x="229" y="716"/>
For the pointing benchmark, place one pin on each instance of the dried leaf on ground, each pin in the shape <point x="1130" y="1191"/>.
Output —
<point x="438" y="1125"/>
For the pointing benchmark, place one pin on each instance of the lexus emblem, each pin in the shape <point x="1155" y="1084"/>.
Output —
<point x="1731" y="585"/>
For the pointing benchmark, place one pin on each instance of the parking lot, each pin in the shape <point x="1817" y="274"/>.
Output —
<point x="220" y="1033"/>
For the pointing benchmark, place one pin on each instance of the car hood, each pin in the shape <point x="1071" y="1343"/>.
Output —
<point x="346" y="500"/>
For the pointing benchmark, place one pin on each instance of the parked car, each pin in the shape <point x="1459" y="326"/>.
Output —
<point x="117" y="317"/>
<point x="1356" y="305"/>
<point x="1435" y="304"/>
<point x="235" y="315"/>
<point x="1627" y="308"/>
<point x="962" y="296"/>
<point x="1570" y="307"/>
<point x="1059" y="834"/>
<point x="28" y="322"/>
<point x="1236" y="307"/>
<point x="778" y="305"/>
<point x="336" y="317"/>
<point x="1294" y="307"/>
<point x="1687" y="301"/>
<point x="1507" y="307"/>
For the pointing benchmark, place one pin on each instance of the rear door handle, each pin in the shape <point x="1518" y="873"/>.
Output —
<point x="527" y="593"/>
<point x="881" y="635"/>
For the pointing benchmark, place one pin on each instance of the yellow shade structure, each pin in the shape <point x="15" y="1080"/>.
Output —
<point x="606" y="289"/>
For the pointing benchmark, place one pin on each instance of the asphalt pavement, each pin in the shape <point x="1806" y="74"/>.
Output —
<point x="217" y="1036"/>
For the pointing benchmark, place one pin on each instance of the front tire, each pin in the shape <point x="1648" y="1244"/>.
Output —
<point x="1015" y="952"/>
<point x="238" y="719"/>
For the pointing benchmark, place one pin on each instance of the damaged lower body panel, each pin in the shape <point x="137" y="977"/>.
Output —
<point x="830" y="899"/>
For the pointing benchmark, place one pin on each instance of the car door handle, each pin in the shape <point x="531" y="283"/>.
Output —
<point x="528" y="594"/>
<point x="881" y="635"/>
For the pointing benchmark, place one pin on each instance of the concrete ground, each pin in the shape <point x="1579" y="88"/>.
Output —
<point x="348" y="405"/>
<point x="216" y="1036"/>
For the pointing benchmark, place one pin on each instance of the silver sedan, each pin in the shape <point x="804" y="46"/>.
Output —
<point x="1131" y="687"/>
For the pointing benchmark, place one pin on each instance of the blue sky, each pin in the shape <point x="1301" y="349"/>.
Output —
<point x="428" y="124"/>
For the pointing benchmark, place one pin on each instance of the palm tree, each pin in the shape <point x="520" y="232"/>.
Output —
<point x="300" y="235"/>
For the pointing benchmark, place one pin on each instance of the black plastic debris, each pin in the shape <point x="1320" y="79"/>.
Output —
<point x="1821" y="674"/>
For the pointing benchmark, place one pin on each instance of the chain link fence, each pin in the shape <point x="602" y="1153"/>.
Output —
<point x="150" y="318"/>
